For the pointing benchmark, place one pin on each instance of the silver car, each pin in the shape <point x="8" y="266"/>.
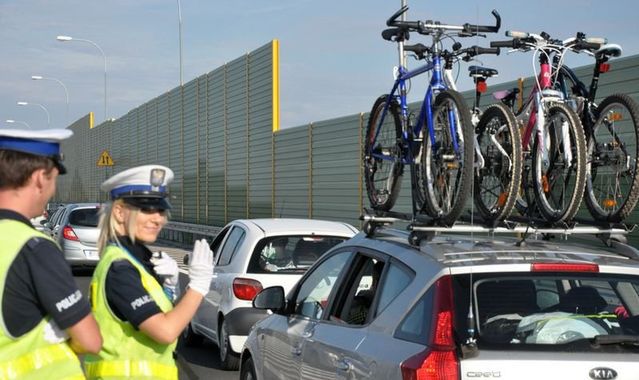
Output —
<point x="76" y="231"/>
<point x="378" y="307"/>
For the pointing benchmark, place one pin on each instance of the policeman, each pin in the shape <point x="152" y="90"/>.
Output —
<point x="132" y="289"/>
<point x="41" y="304"/>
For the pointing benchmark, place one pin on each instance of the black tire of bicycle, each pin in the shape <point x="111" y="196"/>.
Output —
<point x="464" y="176"/>
<point x="576" y="130"/>
<point x="396" y="171"/>
<point x="628" y="204"/>
<point x="494" y="213"/>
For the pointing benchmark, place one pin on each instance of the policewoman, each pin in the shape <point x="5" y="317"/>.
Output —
<point x="132" y="290"/>
<point x="45" y="320"/>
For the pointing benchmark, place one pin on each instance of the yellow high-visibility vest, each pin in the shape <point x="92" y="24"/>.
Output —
<point x="127" y="352"/>
<point x="30" y="356"/>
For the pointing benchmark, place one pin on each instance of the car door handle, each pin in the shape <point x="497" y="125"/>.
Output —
<point x="296" y="350"/>
<point x="344" y="365"/>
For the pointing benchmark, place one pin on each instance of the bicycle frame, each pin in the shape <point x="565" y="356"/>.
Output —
<point x="438" y="82"/>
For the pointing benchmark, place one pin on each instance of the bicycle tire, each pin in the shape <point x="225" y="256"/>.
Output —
<point x="382" y="155"/>
<point x="447" y="174"/>
<point x="556" y="199"/>
<point x="612" y="193"/>
<point x="497" y="184"/>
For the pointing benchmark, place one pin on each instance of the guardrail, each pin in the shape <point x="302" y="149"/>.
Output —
<point x="196" y="229"/>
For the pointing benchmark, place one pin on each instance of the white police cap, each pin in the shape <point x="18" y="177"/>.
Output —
<point x="44" y="142"/>
<point x="145" y="187"/>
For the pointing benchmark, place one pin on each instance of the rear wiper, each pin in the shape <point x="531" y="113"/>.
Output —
<point x="616" y="339"/>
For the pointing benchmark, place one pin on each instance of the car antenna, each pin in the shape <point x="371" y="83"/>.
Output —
<point x="469" y="348"/>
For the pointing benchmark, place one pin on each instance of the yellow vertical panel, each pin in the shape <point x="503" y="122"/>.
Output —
<point x="91" y="119"/>
<point x="276" y="85"/>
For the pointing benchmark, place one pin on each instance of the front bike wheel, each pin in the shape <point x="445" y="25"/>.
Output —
<point x="612" y="183"/>
<point x="447" y="172"/>
<point x="497" y="183"/>
<point x="559" y="171"/>
<point x="382" y="154"/>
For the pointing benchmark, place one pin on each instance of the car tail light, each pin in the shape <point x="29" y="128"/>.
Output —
<point x="565" y="267"/>
<point x="439" y="361"/>
<point x="245" y="288"/>
<point x="69" y="234"/>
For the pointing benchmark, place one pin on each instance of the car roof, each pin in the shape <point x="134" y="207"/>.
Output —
<point x="464" y="251"/>
<point x="293" y="226"/>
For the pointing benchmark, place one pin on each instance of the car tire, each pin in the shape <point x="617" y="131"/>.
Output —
<point x="248" y="370"/>
<point x="190" y="338"/>
<point x="229" y="360"/>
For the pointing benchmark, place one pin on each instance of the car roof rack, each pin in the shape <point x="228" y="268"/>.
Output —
<point x="613" y="235"/>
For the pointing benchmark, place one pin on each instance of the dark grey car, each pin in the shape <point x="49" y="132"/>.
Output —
<point x="377" y="307"/>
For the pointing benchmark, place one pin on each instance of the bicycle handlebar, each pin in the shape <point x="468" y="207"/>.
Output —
<point x="514" y="44"/>
<point x="470" y="28"/>
<point x="391" y="19"/>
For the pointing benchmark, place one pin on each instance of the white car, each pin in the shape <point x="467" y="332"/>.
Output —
<point x="250" y="255"/>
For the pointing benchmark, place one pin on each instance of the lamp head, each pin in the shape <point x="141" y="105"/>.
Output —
<point x="22" y="103"/>
<point x="36" y="77"/>
<point x="64" y="38"/>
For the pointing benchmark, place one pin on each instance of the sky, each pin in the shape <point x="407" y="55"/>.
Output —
<point x="333" y="61"/>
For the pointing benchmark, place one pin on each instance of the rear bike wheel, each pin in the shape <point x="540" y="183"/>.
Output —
<point x="498" y="182"/>
<point x="447" y="173"/>
<point x="612" y="183"/>
<point x="559" y="179"/>
<point x="382" y="154"/>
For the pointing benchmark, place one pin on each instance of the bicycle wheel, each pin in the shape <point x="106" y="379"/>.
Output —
<point x="559" y="178"/>
<point x="447" y="173"/>
<point x="382" y="155"/>
<point x="612" y="183"/>
<point x="498" y="182"/>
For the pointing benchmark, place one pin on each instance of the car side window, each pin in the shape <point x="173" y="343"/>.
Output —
<point x="235" y="238"/>
<point x="314" y="292"/>
<point x="217" y="242"/>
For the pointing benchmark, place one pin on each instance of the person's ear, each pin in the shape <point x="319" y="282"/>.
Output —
<point x="120" y="212"/>
<point x="38" y="178"/>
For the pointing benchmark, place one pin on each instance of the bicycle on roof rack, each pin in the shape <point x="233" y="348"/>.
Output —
<point x="435" y="145"/>
<point x="498" y="157"/>
<point x="612" y="133"/>
<point x="553" y="140"/>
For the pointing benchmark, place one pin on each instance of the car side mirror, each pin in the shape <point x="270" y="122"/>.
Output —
<point x="271" y="298"/>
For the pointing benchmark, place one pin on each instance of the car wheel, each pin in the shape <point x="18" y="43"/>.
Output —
<point x="189" y="337"/>
<point x="248" y="370"/>
<point x="229" y="360"/>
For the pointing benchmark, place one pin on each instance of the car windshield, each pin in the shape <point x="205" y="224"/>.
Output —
<point x="554" y="309"/>
<point x="290" y="253"/>
<point x="84" y="217"/>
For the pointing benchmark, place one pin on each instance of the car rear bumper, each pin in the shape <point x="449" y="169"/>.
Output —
<point x="79" y="256"/>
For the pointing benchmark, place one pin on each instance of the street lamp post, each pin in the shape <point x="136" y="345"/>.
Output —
<point x="41" y="106"/>
<point x="180" y="36"/>
<point x="40" y="77"/>
<point x="67" y="38"/>
<point x="10" y="121"/>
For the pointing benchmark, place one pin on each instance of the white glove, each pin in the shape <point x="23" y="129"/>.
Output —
<point x="201" y="267"/>
<point x="53" y="334"/>
<point x="167" y="268"/>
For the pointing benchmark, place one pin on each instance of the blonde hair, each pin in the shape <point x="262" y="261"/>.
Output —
<point x="107" y="224"/>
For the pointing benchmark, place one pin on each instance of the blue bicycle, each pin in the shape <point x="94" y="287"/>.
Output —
<point x="438" y="144"/>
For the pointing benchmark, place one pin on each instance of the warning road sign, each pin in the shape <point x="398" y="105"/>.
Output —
<point x="105" y="159"/>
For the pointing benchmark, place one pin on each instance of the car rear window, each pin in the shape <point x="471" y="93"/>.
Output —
<point x="522" y="311"/>
<point x="554" y="309"/>
<point x="84" y="217"/>
<point x="290" y="254"/>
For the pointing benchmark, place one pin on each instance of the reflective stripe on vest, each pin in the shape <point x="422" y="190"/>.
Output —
<point x="29" y="356"/>
<point x="38" y="359"/>
<point x="126" y="351"/>
<point x="129" y="368"/>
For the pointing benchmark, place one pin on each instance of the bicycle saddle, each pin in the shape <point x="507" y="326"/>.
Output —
<point x="611" y="50"/>
<point x="474" y="71"/>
